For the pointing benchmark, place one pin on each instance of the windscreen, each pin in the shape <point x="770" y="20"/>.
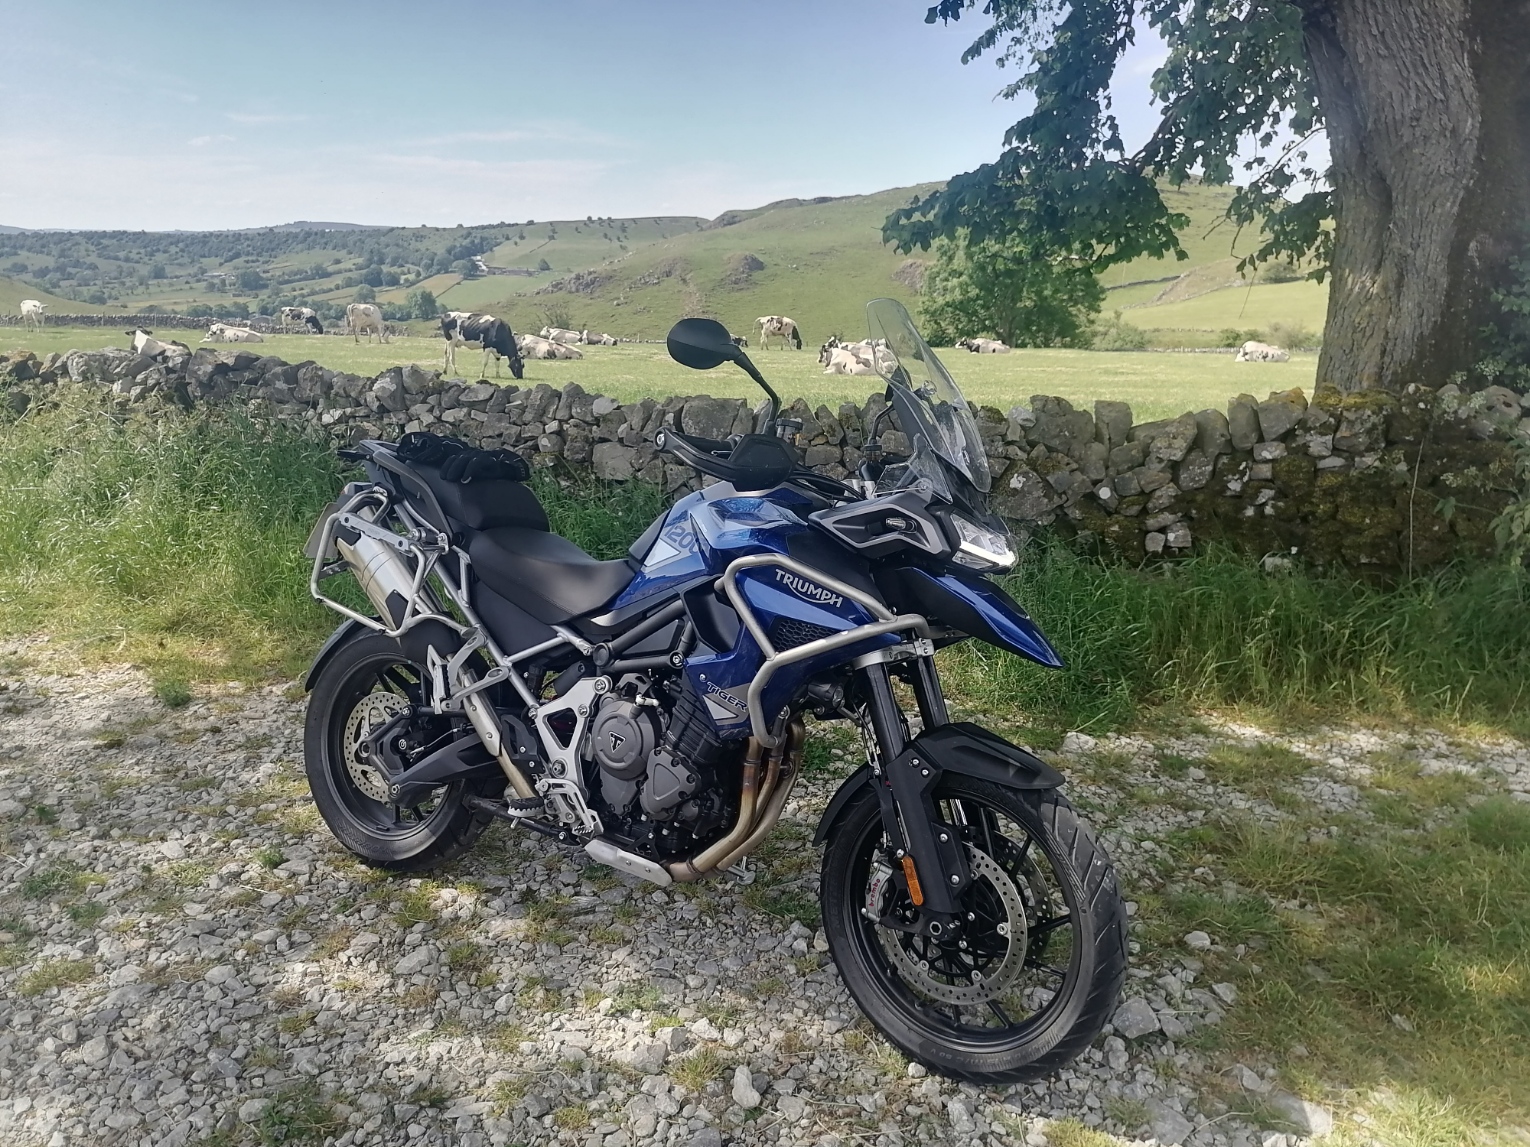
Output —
<point x="944" y="421"/>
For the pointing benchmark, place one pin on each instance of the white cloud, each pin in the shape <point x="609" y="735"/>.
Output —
<point x="204" y="140"/>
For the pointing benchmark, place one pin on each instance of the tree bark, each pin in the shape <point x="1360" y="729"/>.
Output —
<point x="1427" y="105"/>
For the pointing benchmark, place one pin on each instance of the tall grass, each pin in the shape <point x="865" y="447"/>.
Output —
<point x="178" y="542"/>
<point x="1217" y="631"/>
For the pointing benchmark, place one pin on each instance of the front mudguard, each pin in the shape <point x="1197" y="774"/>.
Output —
<point x="912" y="779"/>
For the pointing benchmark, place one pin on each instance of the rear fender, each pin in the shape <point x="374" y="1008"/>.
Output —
<point x="347" y="630"/>
<point x="963" y="748"/>
<point x="415" y="642"/>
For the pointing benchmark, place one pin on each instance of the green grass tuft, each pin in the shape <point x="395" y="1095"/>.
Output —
<point x="1214" y="631"/>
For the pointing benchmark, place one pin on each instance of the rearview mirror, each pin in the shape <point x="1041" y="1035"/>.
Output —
<point x="701" y="344"/>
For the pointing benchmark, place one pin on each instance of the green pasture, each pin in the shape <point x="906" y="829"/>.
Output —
<point x="12" y="291"/>
<point x="1158" y="385"/>
<point x="1300" y="303"/>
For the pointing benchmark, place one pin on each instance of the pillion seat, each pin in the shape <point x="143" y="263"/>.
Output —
<point x="549" y="577"/>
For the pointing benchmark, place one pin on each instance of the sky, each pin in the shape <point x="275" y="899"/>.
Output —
<point x="213" y="115"/>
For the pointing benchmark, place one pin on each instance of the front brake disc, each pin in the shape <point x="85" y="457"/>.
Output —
<point x="371" y="712"/>
<point x="978" y="985"/>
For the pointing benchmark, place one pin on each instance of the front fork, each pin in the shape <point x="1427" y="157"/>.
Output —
<point x="930" y="862"/>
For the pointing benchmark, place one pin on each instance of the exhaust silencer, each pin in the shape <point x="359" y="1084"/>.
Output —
<point x="383" y="573"/>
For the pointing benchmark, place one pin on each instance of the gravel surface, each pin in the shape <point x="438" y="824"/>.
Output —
<point x="189" y="958"/>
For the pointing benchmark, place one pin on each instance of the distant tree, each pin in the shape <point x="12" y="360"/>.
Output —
<point x="1004" y="288"/>
<point x="373" y="275"/>
<point x="317" y="271"/>
<point x="543" y="265"/>
<point x="365" y="294"/>
<point x="234" y="310"/>
<point x="199" y="311"/>
<point x="157" y="271"/>
<point x="422" y="304"/>
<point x="251" y="281"/>
<point x="389" y="279"/>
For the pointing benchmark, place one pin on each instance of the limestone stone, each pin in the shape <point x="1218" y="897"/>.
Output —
<point x="1058" y="426"/>
<point x="1195" y="471"/>
<point x="1280" y="412"/>
<point x="1175" y="440"/>
<point x="1243" y="422"/>
<point x="1024" y="495"/>
<point x="1212" y="434"/>
<point x="612" y="461"/>
<point x="1135" y="1018"/>
<point x="1112" y="423"/>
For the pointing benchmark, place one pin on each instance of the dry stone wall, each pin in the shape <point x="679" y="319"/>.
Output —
<point x="1368" y="480"/>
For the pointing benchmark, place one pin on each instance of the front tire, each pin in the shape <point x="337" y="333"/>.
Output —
<point x="1043" y="956"/>
<point x="365" y="683"/>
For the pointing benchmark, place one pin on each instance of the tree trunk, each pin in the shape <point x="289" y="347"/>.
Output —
<point x="1427" y="104"/>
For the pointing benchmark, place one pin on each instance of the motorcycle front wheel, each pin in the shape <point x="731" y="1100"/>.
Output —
<point x="1041" y="955"/>
<point x="366" y="684"/>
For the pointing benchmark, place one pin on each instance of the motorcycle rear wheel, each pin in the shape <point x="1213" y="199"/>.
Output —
<point x="1044" y="941"/>
<point x="366" y="681"/>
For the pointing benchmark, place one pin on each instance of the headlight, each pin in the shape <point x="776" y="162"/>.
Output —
<point x="979" y="548"/>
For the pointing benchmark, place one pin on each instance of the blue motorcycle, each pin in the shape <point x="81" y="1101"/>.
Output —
<point x="650" y="710"/>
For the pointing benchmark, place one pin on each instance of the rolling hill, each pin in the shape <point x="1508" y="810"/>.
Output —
<point x="817" y="260"/>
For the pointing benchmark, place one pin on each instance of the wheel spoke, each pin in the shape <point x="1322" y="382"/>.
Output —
<point x="999" y="1013"/>
<point x="1047" y="926"/>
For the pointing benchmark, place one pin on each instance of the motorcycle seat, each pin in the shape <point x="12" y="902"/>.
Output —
<point x="549" y="577"/>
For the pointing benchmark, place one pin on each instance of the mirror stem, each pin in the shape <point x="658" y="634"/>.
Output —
<point x="750" y="369"/>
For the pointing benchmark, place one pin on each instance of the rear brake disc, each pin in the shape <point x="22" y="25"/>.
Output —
<point x="371" y="713"/>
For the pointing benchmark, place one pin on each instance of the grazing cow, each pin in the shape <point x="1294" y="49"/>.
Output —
<point x="596" y="340"/>
<point x="223" y="333"/>
<point x="1253" y="351"/>
<point x="842" y="360"/>
<point x="982" y="346"/>
<point x="305" y="316"/>
<point x="365" y="318"/>
<point x="492" y="336"/>
<point x="780" y="327"/>
<point x="531" y="346"/>
<point x="144" y="342"/>
<point x="740" y="341"/>
<point x="561" y="335"/>
<point x="32" y="313"/>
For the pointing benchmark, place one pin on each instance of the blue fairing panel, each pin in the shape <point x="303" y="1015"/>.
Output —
<point x="975" y="606"/>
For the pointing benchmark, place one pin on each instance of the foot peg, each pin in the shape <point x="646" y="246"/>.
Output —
<point x="526" y="809"/>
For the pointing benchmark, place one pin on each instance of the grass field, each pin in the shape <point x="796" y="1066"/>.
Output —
<point x="1156" y="385"/>
<point x="12" y="291"/>
<point x="1302" y="303"/>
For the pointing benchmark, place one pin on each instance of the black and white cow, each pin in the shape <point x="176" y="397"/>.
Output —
<point x="302" y="315"/>
<point x="491" y="335"/>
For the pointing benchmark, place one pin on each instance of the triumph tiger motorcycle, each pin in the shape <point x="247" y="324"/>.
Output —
<point x="650" y="710"/>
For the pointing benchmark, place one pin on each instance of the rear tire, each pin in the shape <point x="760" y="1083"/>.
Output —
<point x="1042" y="964"/>
<point x="368" y="679"/>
